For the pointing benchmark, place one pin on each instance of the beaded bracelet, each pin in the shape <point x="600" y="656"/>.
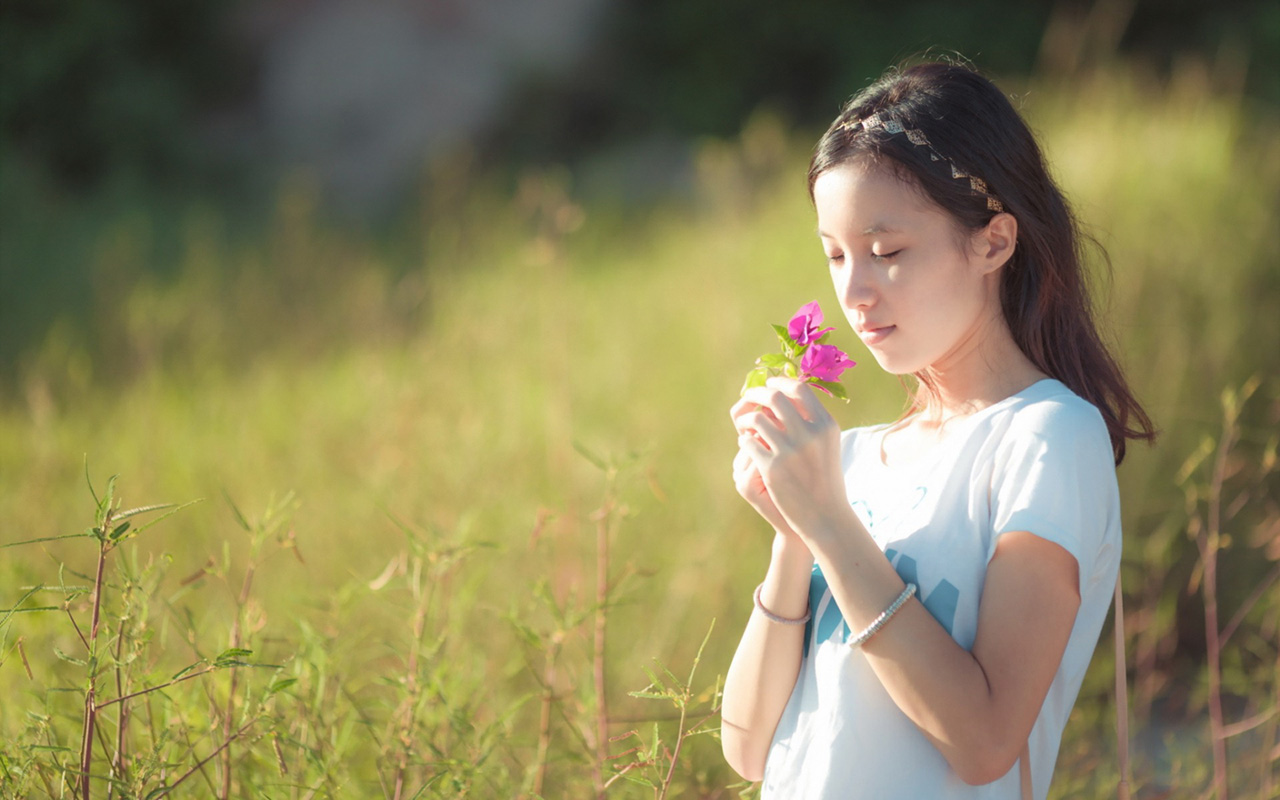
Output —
<point x="772" y="617"/>
<point x="879" y="622"/>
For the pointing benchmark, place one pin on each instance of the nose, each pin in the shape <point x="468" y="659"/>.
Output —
<point x="854" y="284"/>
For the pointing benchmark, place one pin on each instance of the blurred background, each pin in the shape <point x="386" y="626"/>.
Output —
<point x="389" y="282"/>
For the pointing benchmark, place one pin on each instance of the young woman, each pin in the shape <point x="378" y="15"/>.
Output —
<point x="937" y="585"/>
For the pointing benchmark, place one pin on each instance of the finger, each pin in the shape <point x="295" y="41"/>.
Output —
<point x="747" y="479"/>
<point x="764" y="428"/>
<point x="753" y="421"/>
<point x="784" y="406"/>
<point x="745" y="406"/>
<point x="803" y="396"/>
<point x="755" y="448"/>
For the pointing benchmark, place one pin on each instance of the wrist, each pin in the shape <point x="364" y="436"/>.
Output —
<point x="785" y="589"/>
<point x="790" y="555"/>
<point x="824" y="531"/>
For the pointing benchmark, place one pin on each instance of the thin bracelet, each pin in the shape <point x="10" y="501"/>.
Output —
<point x="879" y="622"/>
<point x="772" y="617"/>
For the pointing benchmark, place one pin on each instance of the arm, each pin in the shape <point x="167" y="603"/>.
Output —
<point x="767" y="661"/>
<point x="977" y="707"/>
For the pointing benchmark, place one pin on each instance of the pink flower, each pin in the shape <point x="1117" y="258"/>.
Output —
<point x="824" y="362"/>
<point x="804" y="326"/>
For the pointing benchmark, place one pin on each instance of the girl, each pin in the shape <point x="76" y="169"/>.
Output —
<point x="937" y="585"/>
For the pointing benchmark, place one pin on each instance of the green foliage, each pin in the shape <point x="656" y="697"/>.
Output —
<point x="132" y="714"/>
<point x="448" y="429"/>
<point x="108" y="85"/>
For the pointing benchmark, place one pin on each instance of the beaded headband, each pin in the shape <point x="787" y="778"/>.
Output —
<point x="977" y="185"/>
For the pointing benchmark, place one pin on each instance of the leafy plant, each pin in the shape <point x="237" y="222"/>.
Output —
<point x="135" y="733"/>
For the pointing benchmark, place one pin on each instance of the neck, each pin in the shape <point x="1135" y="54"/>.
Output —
<point x="985" y="368"/>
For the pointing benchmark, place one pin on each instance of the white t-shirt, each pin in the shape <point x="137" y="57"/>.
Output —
<point x="1039" y="461"/>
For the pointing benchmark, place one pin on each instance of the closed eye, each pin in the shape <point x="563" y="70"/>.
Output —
<point x="883" y="256"/>
<point x="835" y="258"/>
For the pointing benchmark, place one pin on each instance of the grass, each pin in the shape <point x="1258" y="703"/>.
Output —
<point x="412" y="465"/>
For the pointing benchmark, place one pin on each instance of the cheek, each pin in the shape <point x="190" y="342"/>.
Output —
<point x="952" y="288"/>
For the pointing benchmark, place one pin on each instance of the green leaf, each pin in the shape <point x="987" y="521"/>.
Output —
<point x="590" y="456"/>
<point x="755" y="377"/>
<point x="240" y="520"/>
<point x="783" y="335"/>
<point x="654" y="681"/>
<point x="775" y="360"/>
<point x="675" y="681"/>
<point x="632" y="777"/>
<point x="281" y="685"/>
<point x="697" y="658"/>
<point x="1193" y="462"/>
<point x="834" y="389"/>
<point x="79" y="662"/>
<point x="89" y="481"/>
<point x="790" y="370"/>
<point x="119" y="531"/>
<point x="108" y="499"/>
<point x="526" y="633"/>
<point x="133" y="512"/>
<point x="87" y="532"/>
<point x="172" y="509"/>
<point x="233" y="652"/>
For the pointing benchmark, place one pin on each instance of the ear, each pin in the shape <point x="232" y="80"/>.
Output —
<point x="993" y="245"/>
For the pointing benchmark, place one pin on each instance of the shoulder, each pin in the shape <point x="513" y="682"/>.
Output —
<point x="1049" y="442"/>
<point x="1053" y="475"/>
<point x="1049" y="414"/>
<point x="1050" y="407"/>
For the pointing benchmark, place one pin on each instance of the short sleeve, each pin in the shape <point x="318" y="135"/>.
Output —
<point x="1054" y="476"/>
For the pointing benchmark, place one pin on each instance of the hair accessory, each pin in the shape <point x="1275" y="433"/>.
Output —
<point x="917" y="137"/>
<point x="879" y="622"/>
<point x="772" y="617"/>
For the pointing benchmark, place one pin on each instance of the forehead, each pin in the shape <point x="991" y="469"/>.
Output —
<point x="860" y="200"/>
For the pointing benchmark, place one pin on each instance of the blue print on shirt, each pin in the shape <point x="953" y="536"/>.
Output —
<point x="941" y="602"/>
<point x="817" y="590"/>
<point x="828" y="622"/>
<point x="894" y="511"/>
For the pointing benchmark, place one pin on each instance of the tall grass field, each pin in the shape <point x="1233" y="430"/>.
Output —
<point x="447" y="511"/>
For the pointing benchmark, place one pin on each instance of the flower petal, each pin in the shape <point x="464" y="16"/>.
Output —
<point x="824" y="362"/>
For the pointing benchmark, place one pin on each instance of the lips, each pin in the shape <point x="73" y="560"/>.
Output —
<point x="873" y="336"/>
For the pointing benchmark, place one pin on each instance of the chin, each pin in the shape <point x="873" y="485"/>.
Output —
<point x="894" y="366"/>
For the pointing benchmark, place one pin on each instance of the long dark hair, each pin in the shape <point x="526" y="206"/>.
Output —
<point x="938" y="125"/>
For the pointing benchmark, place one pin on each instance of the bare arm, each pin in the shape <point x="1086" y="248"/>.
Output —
<point x="977" y="707"/>
<point x="767" y="661"/>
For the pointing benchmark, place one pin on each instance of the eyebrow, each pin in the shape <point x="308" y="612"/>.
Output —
<point x="878" y="228"/>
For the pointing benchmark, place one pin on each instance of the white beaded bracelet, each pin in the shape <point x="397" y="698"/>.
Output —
<point x="772" y="617"/>
<point x="879" y="622"/>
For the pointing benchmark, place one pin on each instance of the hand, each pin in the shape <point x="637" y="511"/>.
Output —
<point x="789" y="441"/>
<point x="747" y="480"/>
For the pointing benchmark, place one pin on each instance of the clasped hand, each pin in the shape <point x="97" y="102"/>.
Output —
<point x="788" y="461"/>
